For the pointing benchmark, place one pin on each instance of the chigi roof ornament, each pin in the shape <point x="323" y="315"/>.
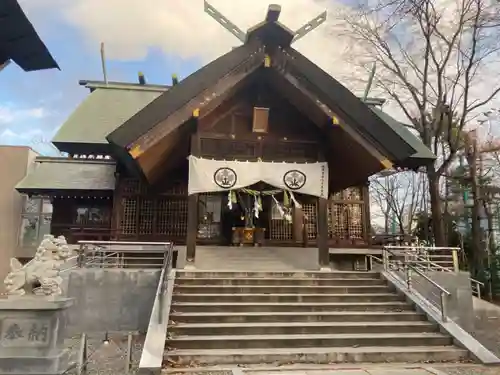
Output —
<point x="273" y="13"/>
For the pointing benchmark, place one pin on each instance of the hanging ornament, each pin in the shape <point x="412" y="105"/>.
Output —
<point x="229" y="200"/>
<point x="256" y="207"/>
<point x="295" y="202"/>
<point x="278" y="206"/>
<point x="259" y="198"/>
<point x="286" y="201"/>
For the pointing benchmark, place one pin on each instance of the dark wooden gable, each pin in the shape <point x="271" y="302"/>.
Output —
<point x="351" y="131"/>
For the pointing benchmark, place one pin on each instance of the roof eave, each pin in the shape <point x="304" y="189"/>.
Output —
<point x="32" y="58"/>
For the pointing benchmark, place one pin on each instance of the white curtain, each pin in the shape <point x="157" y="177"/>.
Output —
<point x="207" y="175"/>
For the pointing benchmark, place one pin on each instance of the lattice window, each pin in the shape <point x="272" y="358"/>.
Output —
<point x="283" y="151"/>
<point x="311" y="212"/>
<point x="146" y="217"/>
<point x="176" y="188"/>
<point x="130" y="186"/>
<point x="345" y="221"/>
<point x="234" y="149"/>
<point x="209" y="215"/>
<point x="171" y="217"/>
<point x="337" y="227"/>
<point x="280" y="229"/>
<point x="351" y="194"/>
<point x="356" y="221"/>
<point x="128" y="223"/>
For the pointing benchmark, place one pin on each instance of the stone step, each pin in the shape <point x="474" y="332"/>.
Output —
<point x="280" y="281"/>
<point x="296" y="297"/>
<point x="393" y="306"/>
<point x="274" y="274"/>
<point x="307" y="340"/>
<point x="299" y="328"/>
<point x="323" y="355"/>
<point x="296" y="316"/>
<point x="280" y="289"/>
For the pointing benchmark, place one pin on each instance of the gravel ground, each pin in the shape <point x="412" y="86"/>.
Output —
<point x="469" y="370"/>
<point x="106" y="359"/>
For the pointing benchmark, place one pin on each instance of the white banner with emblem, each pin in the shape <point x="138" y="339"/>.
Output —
<point x="206" y="175"/>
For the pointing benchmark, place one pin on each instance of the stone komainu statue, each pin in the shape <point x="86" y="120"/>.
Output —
<point x="40" y="276"/>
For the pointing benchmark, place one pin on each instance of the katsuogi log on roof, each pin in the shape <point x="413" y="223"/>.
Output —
<point x="19" y="40"/>
<point x="145" y="140"/>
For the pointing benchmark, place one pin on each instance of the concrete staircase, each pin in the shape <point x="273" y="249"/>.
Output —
<point x="228" y="318"/>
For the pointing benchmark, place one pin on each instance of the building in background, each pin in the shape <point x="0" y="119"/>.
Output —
<point x="22" y="223"/>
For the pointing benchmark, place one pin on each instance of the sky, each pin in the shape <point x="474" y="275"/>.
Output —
<point x="156" y="37"/>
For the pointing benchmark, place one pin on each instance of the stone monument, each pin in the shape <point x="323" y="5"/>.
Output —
<point x="32" y="314"/>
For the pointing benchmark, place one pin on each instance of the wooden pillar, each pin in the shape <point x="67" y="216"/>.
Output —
<point x="192" y="227"/>
<point x="322" y="239"/>
<point x="297" y="224"/>
<point x="367" y="228"/>
<point x="192" y="220"/>
<point x="116" y="210"/>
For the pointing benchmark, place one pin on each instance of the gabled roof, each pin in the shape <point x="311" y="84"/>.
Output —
<point x="143" y="140"/>
<point x="19" y="40"/>
<point x="55" y="174"/>
<point x="180" y="95"/>
<point x="422" y="152"/>
<point x="104" y="110"/>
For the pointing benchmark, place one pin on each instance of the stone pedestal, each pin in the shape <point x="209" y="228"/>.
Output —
<point x="32" y="333"/>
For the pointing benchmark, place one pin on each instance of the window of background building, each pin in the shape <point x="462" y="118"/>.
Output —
<point x="35" y="221"/>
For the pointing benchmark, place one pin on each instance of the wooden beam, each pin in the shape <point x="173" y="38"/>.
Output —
<point x="161" y="148"/>
<point x="199" y="106"/>
<point x="336" y="120"/>
<point x="192" y="222"/>
<point x="323" y="249"/>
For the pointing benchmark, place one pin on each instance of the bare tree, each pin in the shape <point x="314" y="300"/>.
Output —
<point x="431" y="57"/>
<point x="398" y="197"/>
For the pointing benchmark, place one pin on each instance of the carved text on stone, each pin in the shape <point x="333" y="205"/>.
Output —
<point x="24" y="332"/>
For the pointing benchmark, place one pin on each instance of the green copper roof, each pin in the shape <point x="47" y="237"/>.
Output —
<point x="399" y="128"/>
<point x="49" y="174"/>
<point x="101" y="112"/>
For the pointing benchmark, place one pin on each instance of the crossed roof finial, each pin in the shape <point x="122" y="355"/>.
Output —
<point x="273" y="13"/>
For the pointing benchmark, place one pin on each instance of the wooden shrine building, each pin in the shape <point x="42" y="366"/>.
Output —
<point x="259" y="147"/>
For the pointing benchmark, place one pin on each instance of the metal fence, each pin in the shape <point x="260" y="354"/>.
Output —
<point x="122" y="254"/>
<point x="428" y="258"/>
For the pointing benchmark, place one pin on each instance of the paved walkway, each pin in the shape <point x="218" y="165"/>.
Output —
<point x="371" y="370"/>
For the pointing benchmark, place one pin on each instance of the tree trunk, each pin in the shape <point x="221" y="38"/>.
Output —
<point x="436" y="212"/>
<point x="476" y="263"/>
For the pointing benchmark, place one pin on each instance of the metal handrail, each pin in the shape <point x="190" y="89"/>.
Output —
<point x="431" y="263"/>
<point x="106" y="250"/>
<point x="408" y="269"/>
<point x="165" y="271"/>
<point x="443" y="296"/>
<point x="421" y="247"/>
<point x="427" y="278"/>
<point x="478" y="284"/>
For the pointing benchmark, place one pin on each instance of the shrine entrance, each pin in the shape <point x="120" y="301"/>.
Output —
<point x="256" y="216"/>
